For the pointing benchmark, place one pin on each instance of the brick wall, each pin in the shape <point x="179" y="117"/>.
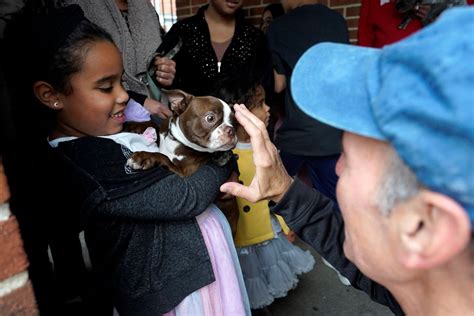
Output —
<point x="16" y="293"/>
<point x="348" y="8"/>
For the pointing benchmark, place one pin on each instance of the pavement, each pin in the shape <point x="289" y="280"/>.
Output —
<point x="319" y="292"/>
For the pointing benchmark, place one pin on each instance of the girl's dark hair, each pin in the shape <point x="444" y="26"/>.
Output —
<point x="235" y="90"/>
<point x="44" y="44"/>
<point x="275" y="8"/>
<point x="69" y="58"/>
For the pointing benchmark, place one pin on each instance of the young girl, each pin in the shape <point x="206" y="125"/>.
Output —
<point x="270" y="263"/>
<point x="156" y="244"/>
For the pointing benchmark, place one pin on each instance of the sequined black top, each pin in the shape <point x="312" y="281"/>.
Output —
<point x="197" y="67"/>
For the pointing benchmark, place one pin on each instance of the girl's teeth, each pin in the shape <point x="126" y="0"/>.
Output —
<point x="117" y="115"/>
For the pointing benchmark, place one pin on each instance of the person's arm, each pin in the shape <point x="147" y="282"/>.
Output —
<point x="309" y="213"/>
<point x="280" y="82"/>
<point x="171" y="198"/>
<point x="365" y="33"/>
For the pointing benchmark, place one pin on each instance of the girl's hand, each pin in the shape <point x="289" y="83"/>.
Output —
<point x="165" y="70"/>
<point x="271" y="180"/>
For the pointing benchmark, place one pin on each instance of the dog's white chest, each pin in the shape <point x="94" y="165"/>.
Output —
<point x="168" y="146"/>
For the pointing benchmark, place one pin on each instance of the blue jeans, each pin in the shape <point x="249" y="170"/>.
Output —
<point x="321" y="170"/>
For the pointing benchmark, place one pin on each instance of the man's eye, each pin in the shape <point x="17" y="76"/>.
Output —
<point x="210" y="118"/>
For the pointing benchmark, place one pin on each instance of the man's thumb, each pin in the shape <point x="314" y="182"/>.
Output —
<point x="238" y="190"/>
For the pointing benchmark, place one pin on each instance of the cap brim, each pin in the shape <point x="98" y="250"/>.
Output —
<point x="330" y="83"/>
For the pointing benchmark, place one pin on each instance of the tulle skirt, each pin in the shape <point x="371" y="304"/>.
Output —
<point x="271" y="268"/>
<point x="227" y="294"/>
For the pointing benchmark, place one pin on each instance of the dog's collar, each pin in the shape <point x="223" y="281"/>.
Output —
<point x="177" y="134"/>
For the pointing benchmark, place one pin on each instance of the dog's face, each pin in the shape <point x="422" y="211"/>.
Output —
<point x="206" y="122"/>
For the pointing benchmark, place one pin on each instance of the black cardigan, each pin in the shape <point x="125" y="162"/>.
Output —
<point x="144" y="241"/>
<point x="196" y="62"/>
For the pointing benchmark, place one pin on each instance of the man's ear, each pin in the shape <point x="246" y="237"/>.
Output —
<point x="47" y="95"/>
<point x="179" y="100"/>
<point x="432" y="228"/>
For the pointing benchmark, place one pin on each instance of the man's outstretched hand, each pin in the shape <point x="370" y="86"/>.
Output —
<point x="271" y="181"/>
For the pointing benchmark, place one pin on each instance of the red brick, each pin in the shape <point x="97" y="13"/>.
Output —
<point x="324" y="2"/>
<point x="183" y="12"/>
<point x="12" y="256"/>
<point x="20" y="302"/>
<point x="351" y="23"/>
<point x="339" y="10"/>
<point x="353" y="11"/>
<point x="249" y="3"/>
<point x="337" y="3"/>
<point x="353" y="34"/>
<point x="254" y="21"/>
<point x="198" y="2"/>
<point x="182" y="3"/>
<point x="4" y="191"/>
<point x="256" y="12"/>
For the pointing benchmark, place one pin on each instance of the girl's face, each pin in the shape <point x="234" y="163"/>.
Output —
<point x="260" y="108"/>
<point x="267" y="18"/>
<point x="226" y="7"/>
<point x="95" y="107"/>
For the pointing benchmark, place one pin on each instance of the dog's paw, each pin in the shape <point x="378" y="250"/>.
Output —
<point x="141" y="161"/>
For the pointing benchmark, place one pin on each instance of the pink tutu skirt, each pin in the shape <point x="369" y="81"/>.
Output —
<point x="227" y="294"/>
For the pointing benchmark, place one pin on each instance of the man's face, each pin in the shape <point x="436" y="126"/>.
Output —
<point x="360" y="168"/>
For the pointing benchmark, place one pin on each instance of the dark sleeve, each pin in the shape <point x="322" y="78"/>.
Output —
<point x="139" y="98"/>
<point x="273" y="47"/>
<point x="313" y="218"/>
<point x="171" y="198"/>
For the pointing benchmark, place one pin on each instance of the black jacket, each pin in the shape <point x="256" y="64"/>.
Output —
<point x="196" y="62"/>
<point x="144" y="241"/>
<point x="313" y="218"/>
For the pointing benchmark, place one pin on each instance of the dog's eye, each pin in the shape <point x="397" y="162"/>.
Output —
<point x="210" y="118"/>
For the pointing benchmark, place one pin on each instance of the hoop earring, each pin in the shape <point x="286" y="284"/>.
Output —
<point x="55" y="104"/>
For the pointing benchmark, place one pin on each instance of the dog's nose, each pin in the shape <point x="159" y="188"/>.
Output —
<point x="229" y="130"/>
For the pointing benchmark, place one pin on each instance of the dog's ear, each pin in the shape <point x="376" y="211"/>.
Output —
<point x="179" y="100"/>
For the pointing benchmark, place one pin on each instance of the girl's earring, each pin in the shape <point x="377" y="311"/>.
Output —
<point x="55" y="104"/>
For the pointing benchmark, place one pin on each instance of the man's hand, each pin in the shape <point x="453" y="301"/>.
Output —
<point x="271" y="181"/>
<point x="422" y="10"/>
<point x="165" y="70"/>
<point x="157" y="108"/>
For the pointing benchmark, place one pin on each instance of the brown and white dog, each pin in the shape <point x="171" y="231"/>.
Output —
<point x="202" y="128"/>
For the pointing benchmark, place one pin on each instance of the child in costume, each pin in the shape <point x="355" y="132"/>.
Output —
<point x="270" y="263"/>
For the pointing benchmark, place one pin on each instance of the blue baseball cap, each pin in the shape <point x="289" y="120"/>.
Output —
<point x="417" y="94"/>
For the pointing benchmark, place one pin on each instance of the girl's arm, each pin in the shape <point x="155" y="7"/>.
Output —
<point x="171" y="198"/>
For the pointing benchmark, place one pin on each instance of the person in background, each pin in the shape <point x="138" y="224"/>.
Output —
<point x="270" y="13"/>
<point x="380" y="23"/>
<point x="307" y="148"/>
<point x="407" y="226"/>
<point x="136" y="30"/>
<point x="218" y="43"/>
<point x="270" y="263"/>
<point x="277" y="101"/>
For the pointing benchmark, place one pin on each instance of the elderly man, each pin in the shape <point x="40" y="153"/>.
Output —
<point x="406" y="175"/>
